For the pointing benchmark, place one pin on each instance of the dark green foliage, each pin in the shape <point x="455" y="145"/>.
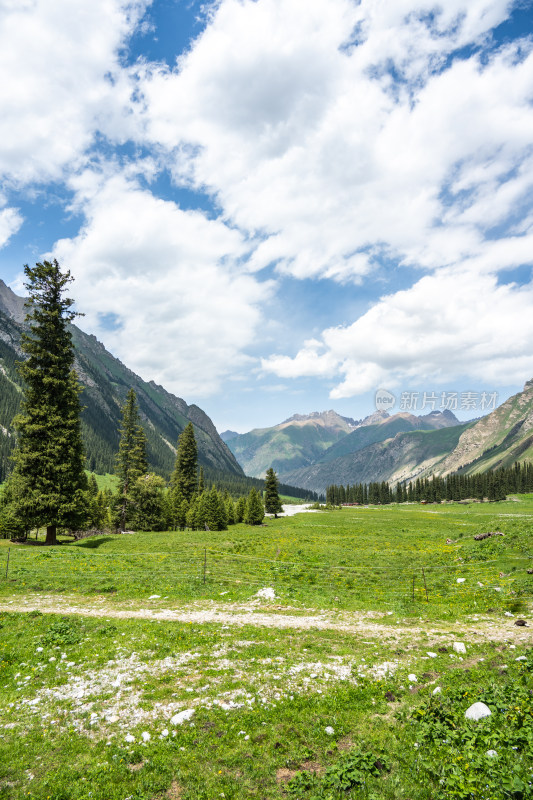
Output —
<point x="201" y="481"/>
<point x="184" y="480"/>
<point x="239" y="485"/>
<point x="49" y="461"/>
<point x="131" y="458"/>
<point x="63" y="632"/>
<point x="350" y="771"/>
<point x="254" y="512"/>
<point x="240" y="509"/>
<point x="150" y="509"/>
<point x="492" y="485"/>
<point x="272" y="501"/>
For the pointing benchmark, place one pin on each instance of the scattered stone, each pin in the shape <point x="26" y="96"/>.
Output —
<point x="432" y="655"/>
<point x="521" y="658"/>
<point x="443" y="649"/>
<point x="459" y="647"/>
<point x="508" y="614"/>
<point x="129" y="738"/>
<point x="182" y="716"/>
<point x="146" y="736"/>
<point x="267" y="593"/>
<point x="412" y="678"/>
<point x="491" y="753"/>
<point x="461" y="580"/>
<point x="164" y="733"/>
<point x="329" y="730"/>
<point x="530" y="572"/>
<point x="477" y="711"/>
<point x="437" y="690"/>
<point x="521" y="623"/>
<point x="154" y="597"/>
<point x="481" y="536"/>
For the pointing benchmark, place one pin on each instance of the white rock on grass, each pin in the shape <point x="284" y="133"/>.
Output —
<point x="459" y="647"/>
<point x="129" y="738"/>
<point x="461" y="580"/>
<point x="146" y="736"/>
<point x="436" y="690"/>
<point x="267" y="593"/>
<point x="154" y="597"/>
<point x="477" y="711"/>
<point x="491" y="753"/>
<point x="329" y="730"/>
<point x="412" y="678"/>
<point x="182" y="716"/>
<point x="432" y="655"/>
<point x="521" y="658"/>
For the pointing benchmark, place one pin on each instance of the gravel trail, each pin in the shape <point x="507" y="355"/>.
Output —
<point x="270" y="616"/>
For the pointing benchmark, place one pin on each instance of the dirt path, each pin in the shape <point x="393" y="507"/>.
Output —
<point x="261" y="615"/>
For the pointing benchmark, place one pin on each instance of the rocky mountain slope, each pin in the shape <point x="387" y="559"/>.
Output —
<point x="294" y="443"/>
<point x="405" y="456"/>
<point x="498" y="439"/>
<point x="106" y="382"/>
<point x="387" y="427"/>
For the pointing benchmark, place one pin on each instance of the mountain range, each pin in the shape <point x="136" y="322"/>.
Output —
<point x="105" y="382"/>
<point x="383" y="447"/>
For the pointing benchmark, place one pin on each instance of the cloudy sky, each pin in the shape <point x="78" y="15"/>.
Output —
<point x="279" y="206"/>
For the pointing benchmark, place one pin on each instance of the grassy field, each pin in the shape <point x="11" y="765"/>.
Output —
<point x="342" y="685"/>
<point x="354" y="558"/>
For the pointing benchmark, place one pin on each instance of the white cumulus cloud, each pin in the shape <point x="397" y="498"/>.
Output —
<point x="61" y="82"/>
<point x="448" y="326"/>
<point x="163" y="287"/>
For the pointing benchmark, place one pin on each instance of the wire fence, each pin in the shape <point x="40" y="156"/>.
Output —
<point x="196" y="569"/>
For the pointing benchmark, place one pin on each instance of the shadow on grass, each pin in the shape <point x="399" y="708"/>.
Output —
<point x="93" y="544"/>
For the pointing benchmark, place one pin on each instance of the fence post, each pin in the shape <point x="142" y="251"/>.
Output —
<point x="205" y="561"/>
<point x="425" y="585"/>
<point x="7" y="564"/>
<point x="413" y="588"/>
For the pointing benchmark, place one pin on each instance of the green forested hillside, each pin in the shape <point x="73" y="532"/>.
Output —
<point x="106" y="382"/>
<point x="401" y="458"/>
<point x="297" y="442"/>
<point x="388" y="428"/>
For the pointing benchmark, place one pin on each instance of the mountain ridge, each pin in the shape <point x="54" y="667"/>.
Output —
<point x="106" y="381"/>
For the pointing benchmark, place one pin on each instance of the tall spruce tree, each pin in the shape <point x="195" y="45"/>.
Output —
<point x="255" y="511"/>
<point x="184" y="479"/>
<point x="48" y="477"/>
<point x="131" y="457"/>
<point x="272" y="501"/>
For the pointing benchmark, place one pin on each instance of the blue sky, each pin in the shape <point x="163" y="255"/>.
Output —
<point x="280" y="206"/>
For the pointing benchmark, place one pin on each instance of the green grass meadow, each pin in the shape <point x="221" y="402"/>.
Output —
<point x="90" y="705"/>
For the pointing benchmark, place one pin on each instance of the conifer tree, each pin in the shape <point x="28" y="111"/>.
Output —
<point x="49" y="477"/>
<point x="131" y="458"/>
<point x="254" y="512"/>
<point x="240" y="509"/>
<point x="184" y="479"/>
<point x="201" y="481"/>
<point x="272" y="501"/>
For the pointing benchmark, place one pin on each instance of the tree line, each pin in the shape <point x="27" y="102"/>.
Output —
<point x="492" y="485"/>
<point x="48" y="485"/>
